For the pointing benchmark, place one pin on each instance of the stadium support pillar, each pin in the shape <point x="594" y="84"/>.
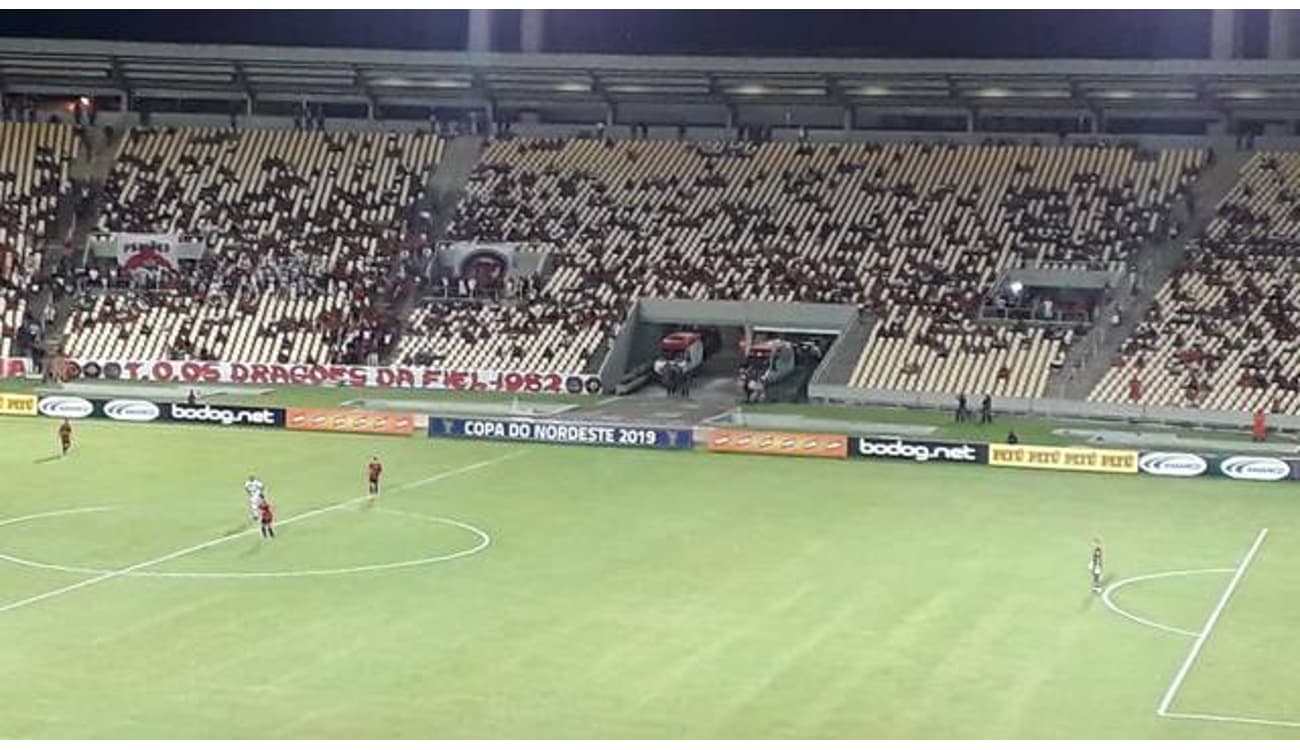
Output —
<point x="479" y="36"/>
<point x="531" y="30"/>
<point x="971" y="117"/>
<point x="1224" y="39"/>
<point x="850" y="120"/>
<point x="1279" y="34"/>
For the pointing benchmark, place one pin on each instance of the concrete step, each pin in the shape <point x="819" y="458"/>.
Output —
<point x="1090" y="358"/>
<point x="443" y="190"/>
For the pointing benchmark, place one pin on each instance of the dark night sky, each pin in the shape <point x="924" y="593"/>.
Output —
<point x="931" y="33"/>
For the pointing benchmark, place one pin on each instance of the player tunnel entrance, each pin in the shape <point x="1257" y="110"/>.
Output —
<point x="722" y="345"/>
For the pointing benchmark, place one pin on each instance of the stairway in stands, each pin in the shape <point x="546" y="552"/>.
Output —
<point x="1089" y="358"/>
<point x="842" y="358"/>
<point x="96" y="155"/>
<point x="443" y="191"/>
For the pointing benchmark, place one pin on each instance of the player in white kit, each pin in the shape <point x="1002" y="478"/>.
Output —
<point x="254" y="488"/>
<point x="1094" y="566"/>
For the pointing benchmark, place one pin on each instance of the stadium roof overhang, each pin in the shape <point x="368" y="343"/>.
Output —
<point x="1185" y="87"/>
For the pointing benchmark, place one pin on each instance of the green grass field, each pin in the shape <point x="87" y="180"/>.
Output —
<point x="624" y="593"/>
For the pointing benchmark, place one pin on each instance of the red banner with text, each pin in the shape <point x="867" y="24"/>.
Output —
<point x="12" y="367"/>
<point x="358" y="376"/>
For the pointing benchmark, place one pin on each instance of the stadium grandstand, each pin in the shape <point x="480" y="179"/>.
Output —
<point x="466" y="386"/>
<point x="1224" y="331"/>
<point x="323" y="188"/>
<point x="34" y="178"/>
<point x="304" y="230"/>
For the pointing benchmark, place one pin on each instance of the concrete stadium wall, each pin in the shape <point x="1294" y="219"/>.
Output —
<point x="699" y="128"/>
<point x="744" y="314"/>
<point x="256" y="122"/>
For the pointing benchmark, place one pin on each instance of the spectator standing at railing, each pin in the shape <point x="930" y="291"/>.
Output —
<point x="963" y="412"/>
<point x="986" y="409"/>
<point x="1259" y="427"/>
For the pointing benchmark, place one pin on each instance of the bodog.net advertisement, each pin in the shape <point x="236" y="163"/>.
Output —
<point x="769" y="443"/>
<point x="350" y="420"/>
<point x="140" y="410"/>
<point x="1063" y="459"/>
<point x="920" y="451"/>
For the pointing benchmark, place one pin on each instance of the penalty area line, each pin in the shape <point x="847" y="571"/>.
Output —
<point x="1204" y="635"/>
<point x="111" y="574"/>
<point x="1232" y="719"/>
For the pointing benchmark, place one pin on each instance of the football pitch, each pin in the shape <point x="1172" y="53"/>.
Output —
<point x="499" y="590"/>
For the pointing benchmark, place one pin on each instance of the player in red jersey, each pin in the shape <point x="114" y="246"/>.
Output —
<point x="65" y="436"/>
<point x="374" y="470"/>
<point x="267" y="514"/>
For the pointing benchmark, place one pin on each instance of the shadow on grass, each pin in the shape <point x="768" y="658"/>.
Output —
<point x="47" y="459"/>
<point x="1094" y="597"/>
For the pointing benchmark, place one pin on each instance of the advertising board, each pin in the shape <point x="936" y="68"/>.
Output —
<point x="350" y="420"/>
<point x="559" y="431"/>
<point x="921" y="451"/>
<point x="18" y="404"/>
<point x="1102" y="460"/>
<point x="1172" y="464"/>
<point x="772" y="443"/>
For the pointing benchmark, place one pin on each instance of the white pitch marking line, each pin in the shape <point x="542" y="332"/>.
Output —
<point x="53" y="513"/>
<point x="1116" y="586"/>
<point x="484" y="540"/>
<point x="222" y="540"/>
<point x="1204" y="635"/>
<point x="1233" y="719"/>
